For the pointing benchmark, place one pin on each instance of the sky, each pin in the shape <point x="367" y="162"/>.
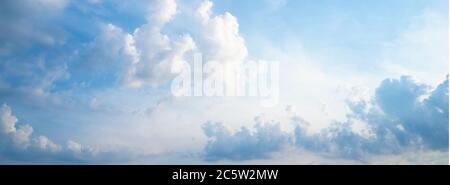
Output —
<point x="356" y="82"/>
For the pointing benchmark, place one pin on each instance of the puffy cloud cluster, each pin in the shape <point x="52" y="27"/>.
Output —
<point x="244" y="143"/>
<point x="220" y="36"/>
<point x="18" y="145"/>
<point x="415" y="112"/>
<point x="402" y="115"/>
<point x="54" y="69"/>
<point x="152" y="53"/>
<point x="162" y="11"/>
<point x="143" y="57"/>
<point x="10" y="134"/>
<point x="148" y="54"/>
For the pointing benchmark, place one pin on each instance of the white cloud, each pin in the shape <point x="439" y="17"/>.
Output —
<point x="8" y="121"/>
<point x="221" y="40"/>
<point x="16" y="145"/>
<point x="19" y="136"/>
<point x="22" y="135"/>
<point x="74" y="147"/>
<point x="157" y="54"/>
<point x="162" y="11"/>
<point x="365" y="132"/>
<point x="243" y="144"/>
<point x="45" y="144"/>
<point x="218" y="40"/>
<point x="146" y="55"/>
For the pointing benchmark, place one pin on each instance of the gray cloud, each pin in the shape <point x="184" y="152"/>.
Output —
<point x="244" y="143"/>
<point x="400" y="101"/>
<point x="399" y="117"/>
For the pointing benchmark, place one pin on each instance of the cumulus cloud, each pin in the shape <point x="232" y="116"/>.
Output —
<point x="401" y="101"/>
<point x="74" y="146"/>
<point x="137" y="58"/>
<point x="18" y="145"/>
<point x="162" y="11"/>
<point x="9" y="132"/>
<point x="220" y="36"/>
<point x="245" y="143"/>
<point x="8" y="120"/>
<point x="157" y="55"/>
<point x="44" y="143"/>
<point x="145" y="56"/>
<point x="397" y="119"/>
<point x="107" y="55"/>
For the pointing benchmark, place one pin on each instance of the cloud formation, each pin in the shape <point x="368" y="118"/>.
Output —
<point x="401" y="116"/>
<point x="110" y="60"/>
<point x="17" y="145"/>
<point x="402" y="101"/>
<point x="148" y="54"/>
<point x="220" y="36"/>
<point x="245" y="143"/>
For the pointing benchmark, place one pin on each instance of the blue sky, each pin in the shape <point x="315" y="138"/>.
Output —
<point x="89" y="81"/>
